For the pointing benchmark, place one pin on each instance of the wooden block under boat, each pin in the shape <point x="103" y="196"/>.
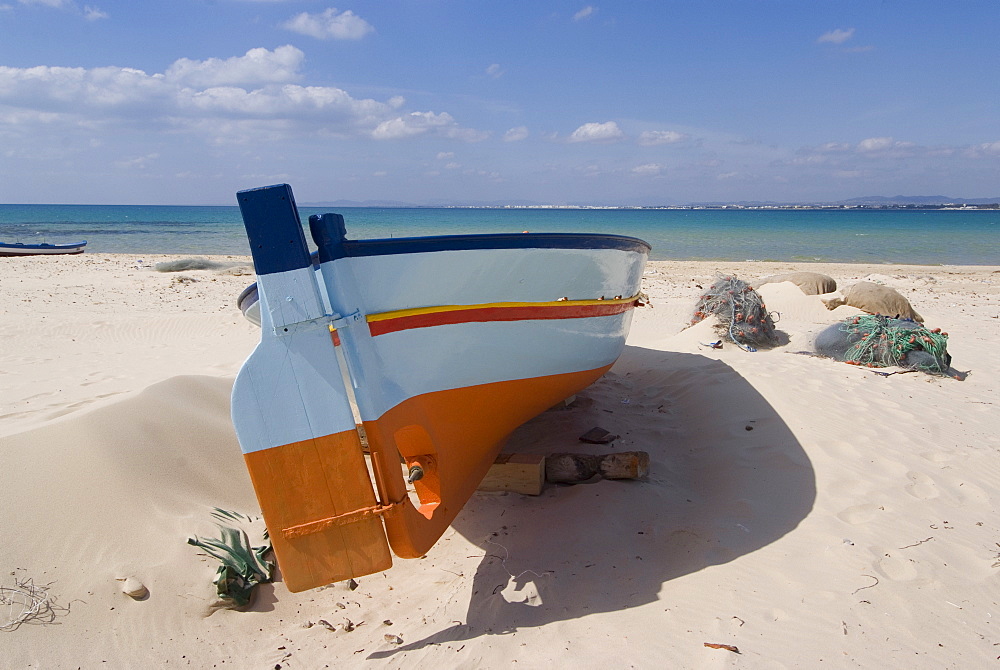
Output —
<point x="519" y="473"/>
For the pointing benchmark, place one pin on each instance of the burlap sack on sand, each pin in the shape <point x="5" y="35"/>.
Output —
<point x="876" y="299"/>
<point x="811" y="283"/>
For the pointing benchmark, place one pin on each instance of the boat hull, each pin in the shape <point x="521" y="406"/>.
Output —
<point x="445" y="345"/>
<point x="18" y="249"/>
<point x="470" y="425"/>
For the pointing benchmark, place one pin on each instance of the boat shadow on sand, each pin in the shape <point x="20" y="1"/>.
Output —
<point x="727" y="477"/>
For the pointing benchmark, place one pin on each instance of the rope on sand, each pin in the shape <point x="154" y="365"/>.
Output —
<point x="27" y="603"/>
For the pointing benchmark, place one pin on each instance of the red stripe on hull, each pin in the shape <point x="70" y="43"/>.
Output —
<point x="486" y="314"/>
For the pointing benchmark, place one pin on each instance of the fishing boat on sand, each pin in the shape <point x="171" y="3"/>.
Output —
<point x="43" y="249"/>
<point x="443" y="344"/>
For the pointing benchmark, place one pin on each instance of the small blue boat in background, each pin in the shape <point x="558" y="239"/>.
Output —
<point x="44" y="249"/>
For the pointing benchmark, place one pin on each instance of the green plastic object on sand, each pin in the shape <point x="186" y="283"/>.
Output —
<point x="243" y="566"/>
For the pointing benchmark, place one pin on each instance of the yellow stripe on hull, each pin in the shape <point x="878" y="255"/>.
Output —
<point x="402" y="313"/>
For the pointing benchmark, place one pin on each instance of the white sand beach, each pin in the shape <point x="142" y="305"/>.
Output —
<point x="803" y="511"/>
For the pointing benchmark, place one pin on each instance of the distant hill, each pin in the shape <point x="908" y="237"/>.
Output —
<point x="889" y="201"/>
<point x="869" y="201"/>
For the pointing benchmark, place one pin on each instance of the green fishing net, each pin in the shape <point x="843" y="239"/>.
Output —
<point x="880" y="341"/>
<point x="742" y="314"/>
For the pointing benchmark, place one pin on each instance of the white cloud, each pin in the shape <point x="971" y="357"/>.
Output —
<point x="66" y="89"/>
<point x="585" y="13"/>
<point x="227" y="100"/>
<point x="834" y="147"/>
<point x="93" y="13"/>
<point x="494" y="71"/>
<point x="647" y="170"/>
<point x="414" y="123"/>
<point x="875" y="144"/>
<point x="988" y="148"/>
<point x="344" y="25"/>
<point x="139" y="162"/>
<point x="887" y="152"/>
<point x="464" y="134"/>
<point x="809" y="160"/>
<point x="273" y="102"/>
<point x="651" y="138"/>
<point x="257" y="66"/>
<point x="597" y="132"/>
<point x="90" y="13"/>
<point x="47" y="3"/>
<point x="516" y="134"/>
<point x="491" y="175"/>
<point x="445" y="155"/>
<point x="885" y="145"/>
<point x="837" y="36"/>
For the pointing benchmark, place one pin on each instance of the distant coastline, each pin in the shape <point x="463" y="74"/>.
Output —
<point x="935" y="202"/>
<point x="959" y="234"/>
<point x="994" y="206"/>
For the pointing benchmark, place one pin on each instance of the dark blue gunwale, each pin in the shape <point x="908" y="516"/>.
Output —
<point x="330" y="235"/>
<point x="277" y="241"/>
<point x="411" y="245"/>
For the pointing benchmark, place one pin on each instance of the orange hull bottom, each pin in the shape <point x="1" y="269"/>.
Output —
<point x="317" y="497"/>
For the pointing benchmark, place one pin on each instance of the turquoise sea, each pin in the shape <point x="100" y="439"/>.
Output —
<point x="928" y="237"/>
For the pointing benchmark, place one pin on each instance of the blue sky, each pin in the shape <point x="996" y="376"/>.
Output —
<point x="426" y="101"/>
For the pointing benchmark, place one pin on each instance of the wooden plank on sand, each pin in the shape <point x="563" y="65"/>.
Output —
<point x="519" y="473"/>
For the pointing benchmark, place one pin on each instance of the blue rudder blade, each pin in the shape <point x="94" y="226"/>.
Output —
<point x="277" y="241"/>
